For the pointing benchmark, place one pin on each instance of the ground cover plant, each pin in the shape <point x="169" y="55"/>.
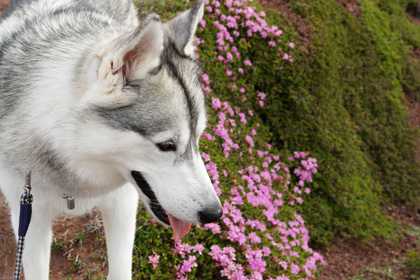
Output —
<point x="261" y="235"/>
<point x="343" y="101"/>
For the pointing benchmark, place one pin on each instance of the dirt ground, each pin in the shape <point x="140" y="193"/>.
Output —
<point x="79" y="244"/>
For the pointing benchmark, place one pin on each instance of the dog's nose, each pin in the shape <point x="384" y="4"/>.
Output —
<point x="210" y="215"/>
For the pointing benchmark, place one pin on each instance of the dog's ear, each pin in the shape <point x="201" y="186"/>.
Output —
<point x="181" y="29"/>
<point x="130" y="56"/>
<point x="134" y="54"/>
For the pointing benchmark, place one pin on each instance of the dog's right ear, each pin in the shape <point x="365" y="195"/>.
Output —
<point x="130" y="56"/>
<point x="181" y="29"/>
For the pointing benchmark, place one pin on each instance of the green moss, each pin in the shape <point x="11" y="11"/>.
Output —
<point x="343" y="101"/>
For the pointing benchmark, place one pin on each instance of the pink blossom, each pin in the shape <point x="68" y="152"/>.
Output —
<point x="242" y="118"/>
<point x="229" y="56"/>
<point x="203" y="22"/>
<point x="198" y="248"/>
<point x="206" y="79"/>
<point x="154" y="260"/>
<point x="215" y="228"/>
<point x="216" y="104"/>
<point x="205" y="156"/>
<point x="261" y="95"/>
<point x="247" y="63"/>
<point x="294" y="268"/>
<point x="249" y="140"/>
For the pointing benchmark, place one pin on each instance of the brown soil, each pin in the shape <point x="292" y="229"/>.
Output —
<point x="416" y="53"/>
<point x="69" y="256"/>
<point x="3" y="5"/>
<point x="352" y="6"/>
<point x="348" y="258"/>
<point x="412" y="10"/>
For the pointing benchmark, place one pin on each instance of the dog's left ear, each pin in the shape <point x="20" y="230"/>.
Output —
<point x="137" y="52"/>
<point x="181" y="29"/>
<point x="131" y="56"/>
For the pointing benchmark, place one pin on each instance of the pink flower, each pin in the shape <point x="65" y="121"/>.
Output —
<point x="206" y="79"/>
<point x="198" y="248"/>
<point x="261" y="95"/>
<point x="229" y="56"/>
<point x="254" y="238"/>
<point x="295" y="269"/>
<point x="154" y="260"/>
<point x="215" y="228"/>
<point x="187" y="265"/>
<point x="247" y="63"/>
<point x="216" y="104"/>
<point x="249" y="140"/>
<point x="205" y="156"/>
<point x="203" y="22"/>
<point x="243" y="118"/>
<point x="208" y="136"/>
<point x="291" y="45"/>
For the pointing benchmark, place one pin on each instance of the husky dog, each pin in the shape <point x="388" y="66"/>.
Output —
<point x="101" y="108"/>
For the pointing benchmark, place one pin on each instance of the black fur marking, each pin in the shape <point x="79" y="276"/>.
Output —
<point x="172" y="60"/>
<point x="178" y="77"/>
<point x="157" y="209"/>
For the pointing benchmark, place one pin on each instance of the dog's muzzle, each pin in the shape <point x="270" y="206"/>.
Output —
<point x="157" y="209"/>
<point x="206" y="216"/>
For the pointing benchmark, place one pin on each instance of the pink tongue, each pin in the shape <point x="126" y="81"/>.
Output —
<point x="180" y="228"/>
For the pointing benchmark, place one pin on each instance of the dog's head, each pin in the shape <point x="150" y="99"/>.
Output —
<point x="145" y="84"/>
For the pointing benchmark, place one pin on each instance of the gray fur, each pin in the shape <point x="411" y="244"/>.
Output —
<point x="90" y="101"/>
<point x="60" y="36"/>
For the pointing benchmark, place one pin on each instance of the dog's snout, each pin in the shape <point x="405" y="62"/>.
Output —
<point x="210" y="215"/>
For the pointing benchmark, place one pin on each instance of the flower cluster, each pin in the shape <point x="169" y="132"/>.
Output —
<point x="260" y="236"/>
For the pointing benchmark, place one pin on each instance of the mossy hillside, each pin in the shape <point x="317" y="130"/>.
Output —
<point x="342" y="100"/>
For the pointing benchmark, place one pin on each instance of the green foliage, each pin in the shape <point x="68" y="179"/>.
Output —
<point x="79" y="238"/>
<point x="412" y="261"/>
<point x="58" y="246"/>
<point x="342" y="101"/>
<point x="166" y="9"/>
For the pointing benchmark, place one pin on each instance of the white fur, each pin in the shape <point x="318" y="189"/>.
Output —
<point x="98" y="157"/>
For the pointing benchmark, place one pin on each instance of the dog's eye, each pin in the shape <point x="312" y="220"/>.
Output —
<point x="166" y="146"/>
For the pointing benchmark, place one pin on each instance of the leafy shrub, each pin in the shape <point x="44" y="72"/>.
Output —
<point x="412" y="261"/>
<point x="261" y="235"/>
<point x="343" y="102"/>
